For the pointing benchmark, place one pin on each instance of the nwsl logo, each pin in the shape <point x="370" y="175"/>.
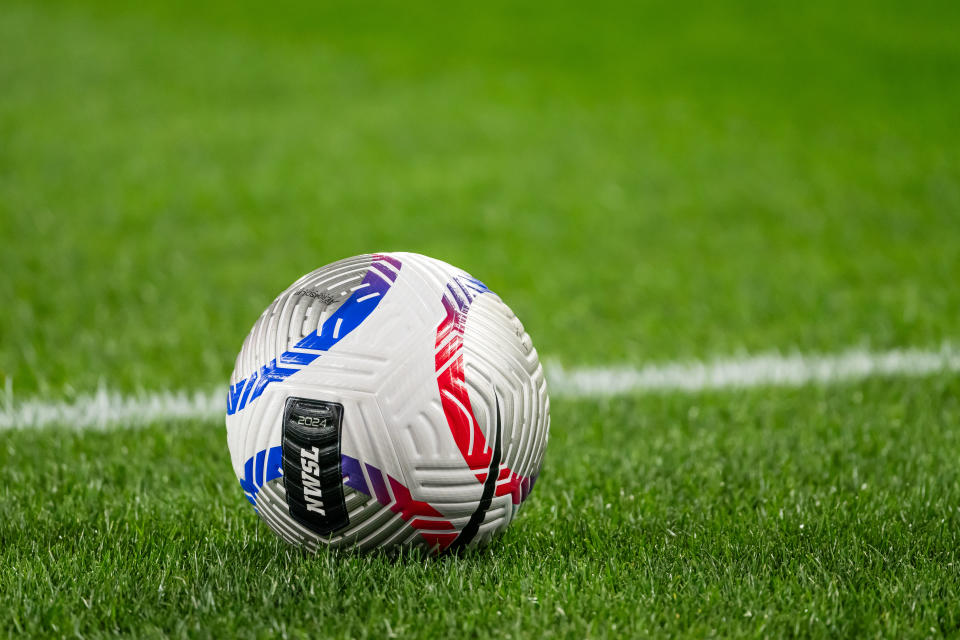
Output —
<point x="310" y="479"/>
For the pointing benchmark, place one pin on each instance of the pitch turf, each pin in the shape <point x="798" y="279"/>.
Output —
<point x="643" y="182"/>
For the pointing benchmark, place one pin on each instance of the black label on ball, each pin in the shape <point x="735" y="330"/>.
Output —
<point x="311" y="464"/>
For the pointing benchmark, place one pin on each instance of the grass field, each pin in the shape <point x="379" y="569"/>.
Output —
<point x="642" y="183"/>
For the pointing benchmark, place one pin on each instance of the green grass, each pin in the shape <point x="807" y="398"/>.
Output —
<point x="812" y="512"/>
<point x="729" y="188"/>
<point x="644" y="182"/>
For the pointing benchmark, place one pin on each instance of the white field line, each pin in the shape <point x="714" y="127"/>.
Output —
<point x="770" y="369"/>
<point x="106" y="408"/>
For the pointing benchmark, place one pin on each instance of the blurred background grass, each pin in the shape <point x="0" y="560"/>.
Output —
<point x="639" y="181"/>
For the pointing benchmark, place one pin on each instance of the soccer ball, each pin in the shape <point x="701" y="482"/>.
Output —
<point x="387" y="400"/>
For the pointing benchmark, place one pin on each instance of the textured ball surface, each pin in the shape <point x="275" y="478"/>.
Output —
<point x="387" y="400"/>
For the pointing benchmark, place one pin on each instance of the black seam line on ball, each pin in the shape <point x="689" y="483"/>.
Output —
<point x="473" y="526"/>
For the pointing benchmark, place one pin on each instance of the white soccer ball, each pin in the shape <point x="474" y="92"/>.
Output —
<point x="387" y="400"/>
